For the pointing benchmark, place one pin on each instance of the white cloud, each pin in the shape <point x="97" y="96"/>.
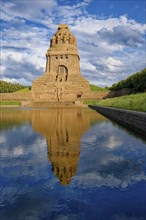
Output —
<point x="13" y="80"/>
<point x="2" y="139"/>
<point x="97" y="180"/>
<point x="114" y="62"/>
<point x="27" y="9"/>
<point x="91" y="25"/>
<point x="87" y="66"/>
<point x="113" y="142"/>
<point x="110" y="48"/>
<point x="18" y="151"/>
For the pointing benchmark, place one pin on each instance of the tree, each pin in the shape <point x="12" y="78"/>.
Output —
<point x="135" y="82"/>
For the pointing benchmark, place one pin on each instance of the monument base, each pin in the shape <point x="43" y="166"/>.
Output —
<point x="47" y="104"/>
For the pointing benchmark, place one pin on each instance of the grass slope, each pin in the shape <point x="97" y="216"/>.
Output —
<point x="96" y="88"/>
<point x="136" y="102"/>
<point x="23" y="90"/>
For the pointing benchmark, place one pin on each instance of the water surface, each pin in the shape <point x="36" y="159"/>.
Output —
<point x="70" y="164"/>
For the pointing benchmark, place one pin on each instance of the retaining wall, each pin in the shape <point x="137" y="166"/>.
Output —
<point x="28" y="96"/>
<point x="18" y="96"/>
<point x="132" y="119"/>
<point x="94" y="95"/>
<point x="120" y="92"/>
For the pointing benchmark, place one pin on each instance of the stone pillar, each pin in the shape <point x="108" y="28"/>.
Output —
<point x="46" y="63"/>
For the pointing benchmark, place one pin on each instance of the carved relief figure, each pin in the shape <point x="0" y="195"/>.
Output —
<point x="53" y="40"/>
<point x="58" y="93"/>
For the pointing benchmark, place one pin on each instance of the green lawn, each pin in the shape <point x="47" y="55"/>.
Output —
<point x="10" y="103"/>
<point x="97" y="88"/>
<point x="23" y="90"/>
<point x="136" y="102"/>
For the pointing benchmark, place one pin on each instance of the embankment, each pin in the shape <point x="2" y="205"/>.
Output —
<point x="136" y="121"/>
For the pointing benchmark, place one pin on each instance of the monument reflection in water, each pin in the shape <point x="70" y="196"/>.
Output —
<point x="69" y="163"/>
<point x="63" y="129"/>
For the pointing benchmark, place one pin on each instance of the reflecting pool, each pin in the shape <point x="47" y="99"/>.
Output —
<point x="70" y="164"/>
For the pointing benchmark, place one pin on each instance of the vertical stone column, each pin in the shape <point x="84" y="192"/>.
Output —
<point x="46" y="63"/>
<point x="49" y="63"/>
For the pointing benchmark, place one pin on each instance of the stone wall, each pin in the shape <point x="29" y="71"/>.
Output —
<point x="28" y="96"/>
<point x="94" y="95"/>
<point x="120" y="92"/>
<point x="136" y="121"/>
<point x="18" y="96"/>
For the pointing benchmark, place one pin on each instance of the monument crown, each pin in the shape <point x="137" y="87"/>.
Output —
<point x="63" y="36"/>
<point x="62" y="26"/>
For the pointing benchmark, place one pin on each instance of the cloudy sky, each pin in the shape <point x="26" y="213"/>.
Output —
<point x="110" y="36"/>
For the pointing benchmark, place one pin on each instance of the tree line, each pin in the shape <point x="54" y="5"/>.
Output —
<point x="7" y="87"/>
<point x="135" y="82"/>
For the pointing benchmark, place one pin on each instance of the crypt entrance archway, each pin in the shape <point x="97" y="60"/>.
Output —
<point x="61" y="73"/>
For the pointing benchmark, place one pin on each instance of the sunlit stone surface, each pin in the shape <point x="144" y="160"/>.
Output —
<point x="62" y="80"/>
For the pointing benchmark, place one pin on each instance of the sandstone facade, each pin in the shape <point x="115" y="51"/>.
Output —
<point x="62" y="80"/>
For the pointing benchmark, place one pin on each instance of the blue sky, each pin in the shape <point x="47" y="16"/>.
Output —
<point x="110" y="36"/>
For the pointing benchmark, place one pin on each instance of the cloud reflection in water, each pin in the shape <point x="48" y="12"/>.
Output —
<point x="70" y="164"/>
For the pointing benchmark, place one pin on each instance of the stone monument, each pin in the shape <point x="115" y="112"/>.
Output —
<point x="62" y="80"/>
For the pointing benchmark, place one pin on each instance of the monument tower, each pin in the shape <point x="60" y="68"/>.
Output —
<point x="62" y="80"/>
